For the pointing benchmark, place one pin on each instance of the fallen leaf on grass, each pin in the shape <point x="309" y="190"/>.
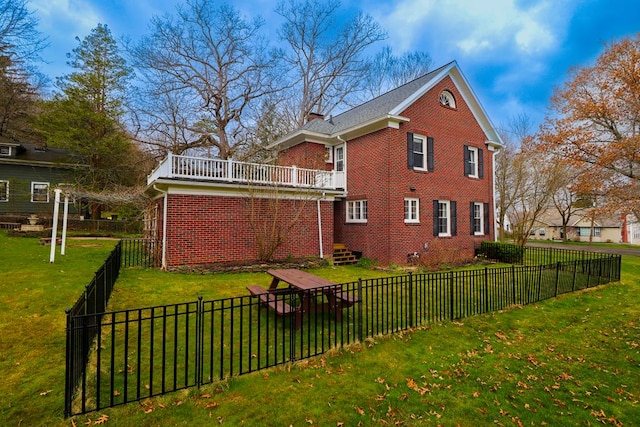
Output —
<point x="359" y="410"/>
<point x="103" y="419"/>
<point x="44" y="393"/>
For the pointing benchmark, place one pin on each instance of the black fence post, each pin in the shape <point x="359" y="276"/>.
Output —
<point x="69" y="367"/>
<point x="360" y="337"/>
<point x="513" y="281"/>
<point x="411" y="299"/>
<point x="557" y="277"/>
<point x="486" y="290"/>
<point x="539" y="281"/>
<point x="575" y="270"/>
<point x="451" y="282"/>
<point x="199" y="340"/>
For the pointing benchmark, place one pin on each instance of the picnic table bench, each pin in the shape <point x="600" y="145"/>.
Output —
<point x="308" y="287"/>
<point x="281" y="307"/>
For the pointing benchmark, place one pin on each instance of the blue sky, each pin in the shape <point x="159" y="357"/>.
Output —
<point x="513" y="52"/>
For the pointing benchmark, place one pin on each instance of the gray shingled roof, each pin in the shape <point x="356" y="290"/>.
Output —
<point x="375" y="108"/>
<point x="28" y="152"/>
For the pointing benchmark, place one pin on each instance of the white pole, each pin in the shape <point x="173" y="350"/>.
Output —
<point x="65" y="216"/>
<point x="54" y="229"/>
<point x="320" y="230"/>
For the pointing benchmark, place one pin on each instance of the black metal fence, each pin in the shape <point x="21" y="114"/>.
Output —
<point x="529" y="255"/>
<point x="146" y="352"/>
<point x="141" y="253"/>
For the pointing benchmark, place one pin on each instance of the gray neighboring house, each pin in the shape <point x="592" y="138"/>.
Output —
<point x="28" y="175"/>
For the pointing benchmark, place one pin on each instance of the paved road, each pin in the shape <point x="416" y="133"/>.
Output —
<point x="631" y="250"/>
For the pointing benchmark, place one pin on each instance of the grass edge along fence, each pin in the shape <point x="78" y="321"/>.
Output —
<point x="92" y="304"/>
<point x="114" y="358"/>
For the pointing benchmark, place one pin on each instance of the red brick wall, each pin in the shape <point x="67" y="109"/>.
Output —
<point x="209" y="229"/>
<point x="377" y="171"/>
<point x="307" y="155"/>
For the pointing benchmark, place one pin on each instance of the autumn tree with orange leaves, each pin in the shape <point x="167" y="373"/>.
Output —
<point x="594" y="125"/>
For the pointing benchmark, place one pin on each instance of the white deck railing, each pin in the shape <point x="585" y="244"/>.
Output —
<point x="202" y="169"/>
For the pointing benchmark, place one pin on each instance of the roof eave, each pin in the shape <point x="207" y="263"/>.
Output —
<point x="370" y="126"/>
<point x="493" y="138"/>
<point x="373" y="125"/>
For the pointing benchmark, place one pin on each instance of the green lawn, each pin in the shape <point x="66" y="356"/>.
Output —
<point x="569" y="361"/>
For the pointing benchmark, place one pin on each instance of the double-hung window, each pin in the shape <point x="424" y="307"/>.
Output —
<point x="40" y="192"/>
<point x="444" y="218"/>
<point x="419" y="152"/>
<point x="478" y="219"/>
<point x="4" y="191"/>
<point x="473" y="162"/>
<point x="411" y="211"/>
<point x="356" y="211"/>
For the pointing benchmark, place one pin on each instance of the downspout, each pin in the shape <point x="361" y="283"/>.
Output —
<point x="164" y="226"/>
<point x="493" y="194"/>
<point x="320" y="228"/>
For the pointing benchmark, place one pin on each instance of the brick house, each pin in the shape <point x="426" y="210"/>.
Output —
<point x="409" y="172"/>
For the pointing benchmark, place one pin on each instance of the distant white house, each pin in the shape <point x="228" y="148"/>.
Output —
<point x="580" y="227"/>
<point x="631" y="229"/>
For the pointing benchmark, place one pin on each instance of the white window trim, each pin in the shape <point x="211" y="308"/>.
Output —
<point x="447" y="99"/>
<point x="7" y="153"/>
<point x="412" y="201"/>
<point x="481" y="211"/>
<point x="424" y="152"/>
<point x="473" y="152"/>
<point x="362" y="218"/>
<point x="448" y="217"/>
<point x="6" y="194"/>
<point x="340" y="160"/>
<point x="33" y="184"/>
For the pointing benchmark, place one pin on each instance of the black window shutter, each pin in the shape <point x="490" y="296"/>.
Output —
<point x="472" y="218"/>
<point x="454" y="219"/>
<point x="467" y="170"/>
<point x="487" y="226"/>
<point x="430" y="154"/>
<point x="480" y="164"/>
<point x="435" y="218"/>
<point x="409" y="150"/>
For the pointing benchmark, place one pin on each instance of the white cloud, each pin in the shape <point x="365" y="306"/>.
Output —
<point x="477" y="28"/>
<point x="72" y="17"/>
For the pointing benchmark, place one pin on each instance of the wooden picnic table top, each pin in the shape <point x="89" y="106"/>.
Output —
<point x="298" y="279"/>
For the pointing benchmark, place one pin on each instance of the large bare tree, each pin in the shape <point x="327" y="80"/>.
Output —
<point x="206" y="63"/>
<point x="20" y="83"/>
<point x="539" y="183"/>
<point x="511" y="174"/>
<point x="386" y="71"/>
<point x="325" y="57"/>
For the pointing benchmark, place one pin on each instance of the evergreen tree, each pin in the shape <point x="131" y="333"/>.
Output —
<point x="86" y="115"/>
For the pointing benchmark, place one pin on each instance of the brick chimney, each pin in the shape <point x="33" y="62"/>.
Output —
<point x="314" y="116"/>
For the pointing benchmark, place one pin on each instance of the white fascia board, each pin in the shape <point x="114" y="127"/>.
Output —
<point x="382" y="122"/>
<point x="477" y="109"/>
<point x="468" y="95"/>
<point x="195" y="188"/>
<point x="424" y="89"/>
